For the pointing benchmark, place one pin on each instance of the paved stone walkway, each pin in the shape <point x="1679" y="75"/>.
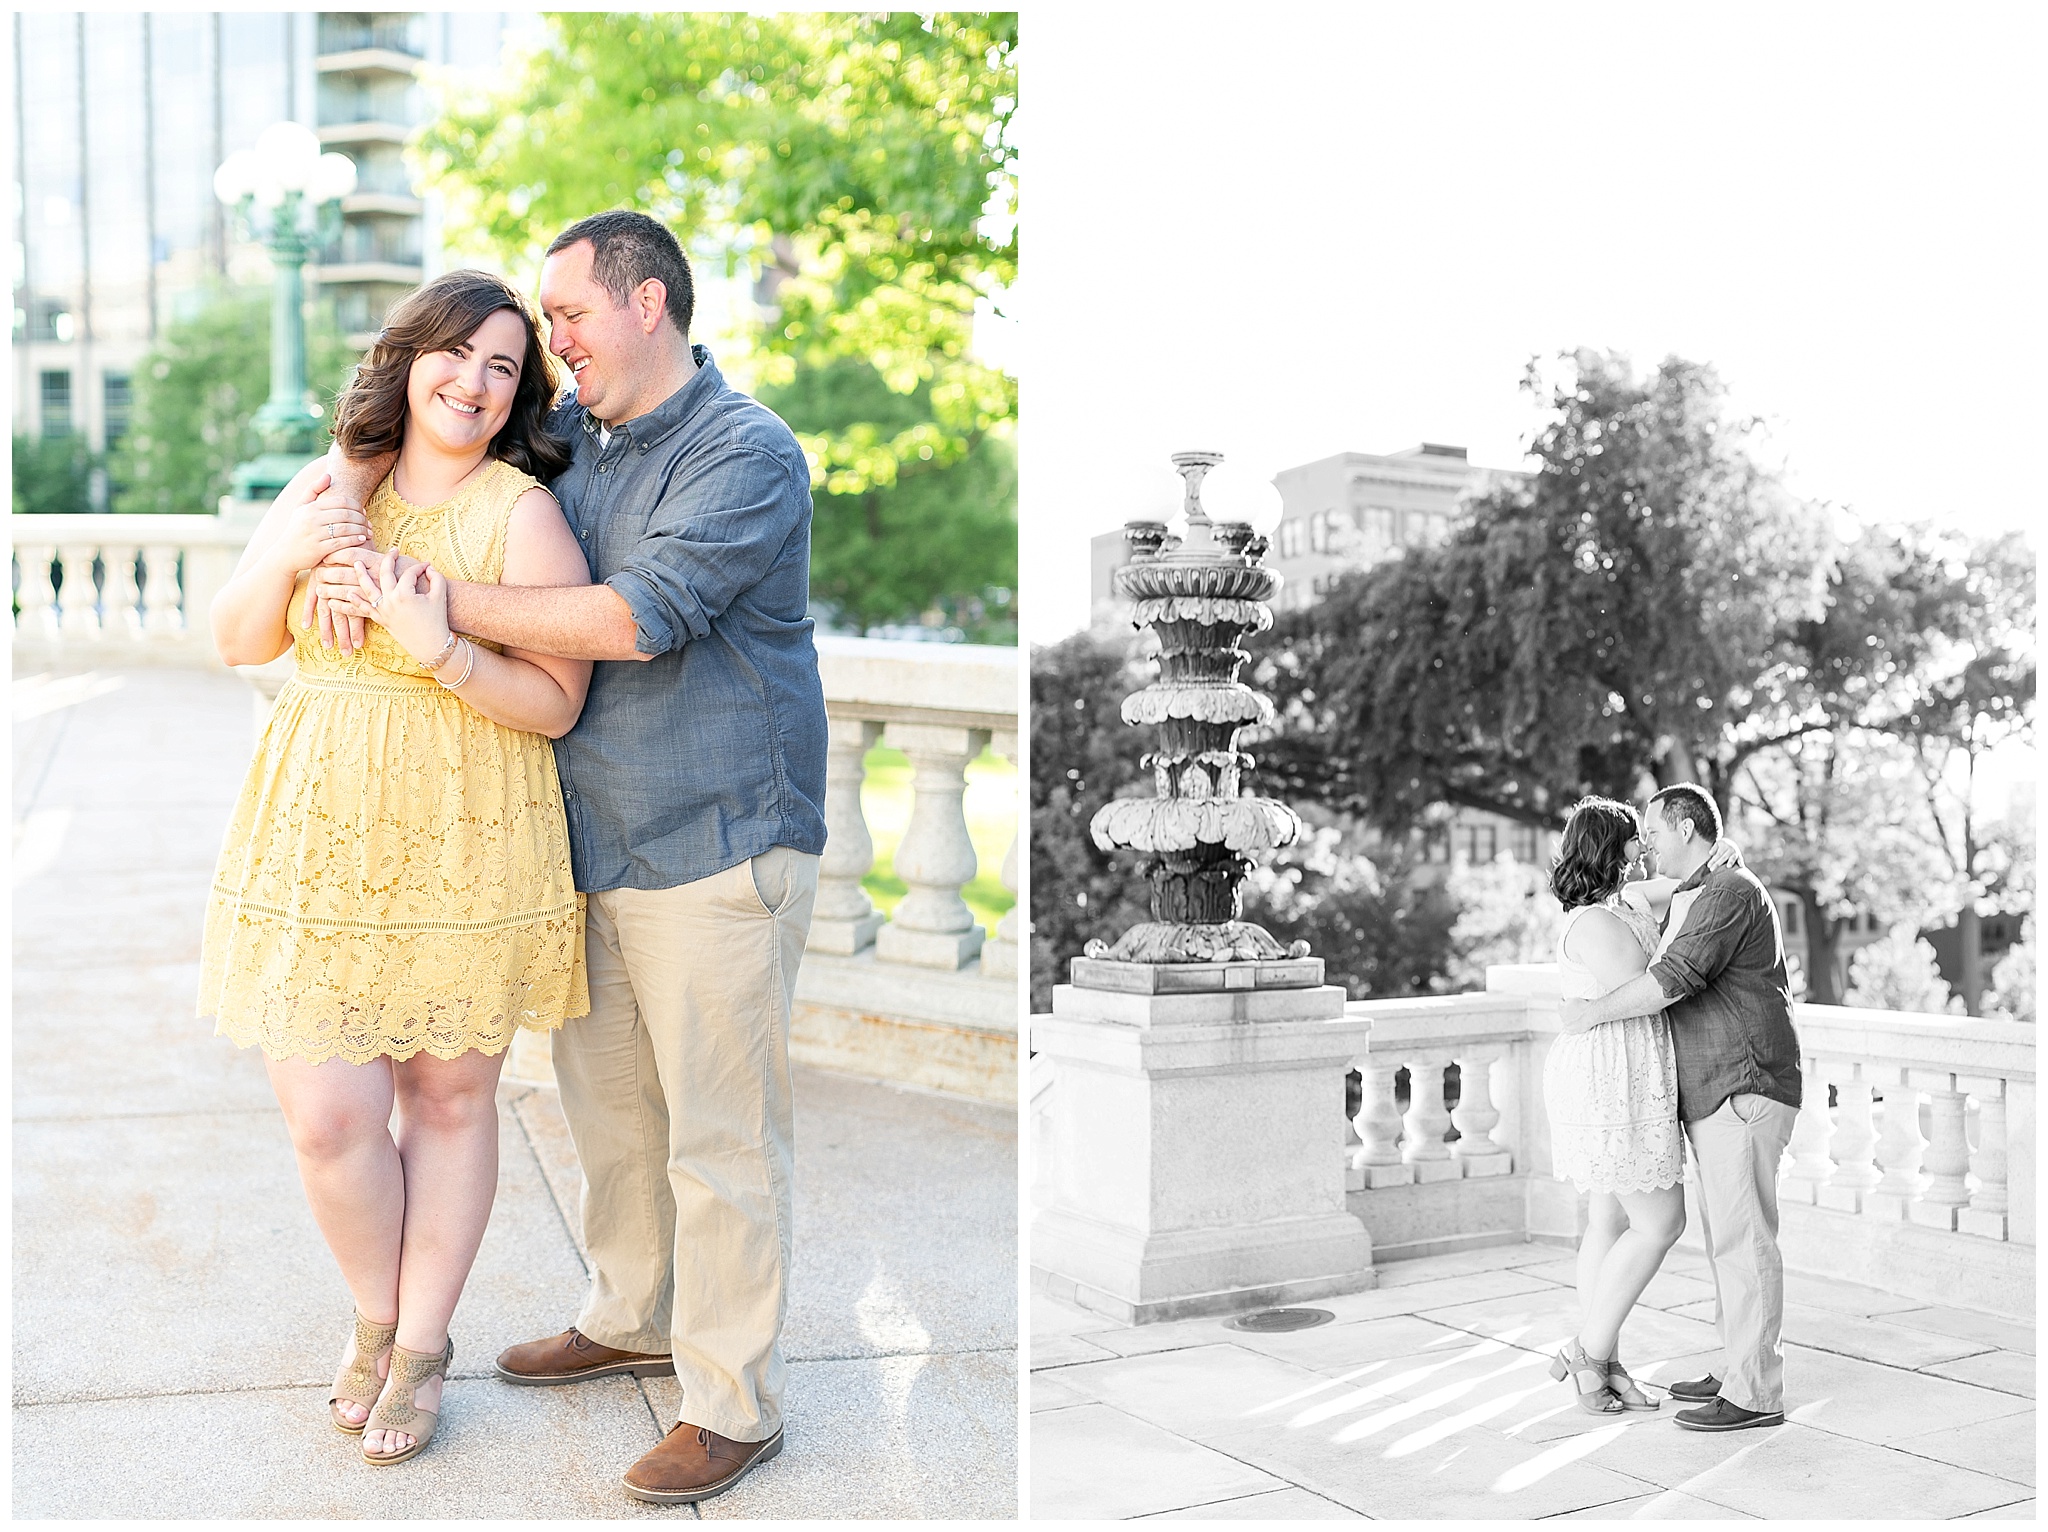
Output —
<point x="177" y="1317"/>
<point x="1429" y="1398"/>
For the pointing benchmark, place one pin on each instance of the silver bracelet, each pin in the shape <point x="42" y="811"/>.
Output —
<point x="466" y="669"/>
<point x="434" y="665"/>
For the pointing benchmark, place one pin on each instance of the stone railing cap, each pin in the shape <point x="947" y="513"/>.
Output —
<point x="971" y="678"/>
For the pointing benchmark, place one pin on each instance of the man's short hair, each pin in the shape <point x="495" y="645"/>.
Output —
<point x="629" y="248"/>
<point x="1683" y="800"/>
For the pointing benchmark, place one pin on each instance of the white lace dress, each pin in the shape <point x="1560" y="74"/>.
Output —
<point x="1613" y="1091"/>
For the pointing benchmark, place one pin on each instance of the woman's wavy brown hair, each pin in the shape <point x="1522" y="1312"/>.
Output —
<point x="369" y="417"/>
<point x="1592" y="854"/>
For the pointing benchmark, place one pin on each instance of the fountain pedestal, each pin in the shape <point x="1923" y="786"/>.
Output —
<point x="1196" y="1160"/>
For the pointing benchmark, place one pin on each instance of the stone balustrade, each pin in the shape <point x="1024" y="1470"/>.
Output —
<point x="926" y="992"/>
<point x="1921" y="1169"/>
<point x="927" y="997"/>
<point x="1896" y="1145"/>
<point x="1911" y="1165"/>
<point x="157" y="575"/>
<point x="1486" y="1037"/>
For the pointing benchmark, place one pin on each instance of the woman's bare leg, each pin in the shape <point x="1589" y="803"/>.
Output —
<point x="1655" y="1220"/>
<point x="339" y="1118"/>
<point x="1605" y="1223"/>
<point x="448" y="1143"/>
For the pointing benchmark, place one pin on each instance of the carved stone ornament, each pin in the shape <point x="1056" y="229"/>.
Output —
<point x="1200" y="595"/>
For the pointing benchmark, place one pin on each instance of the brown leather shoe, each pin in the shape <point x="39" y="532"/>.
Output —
<point x="691" y="1463"/>
<point x="573" y="1356"/>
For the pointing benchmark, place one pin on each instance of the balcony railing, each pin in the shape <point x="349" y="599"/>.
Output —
<point x="352" y="32"/>
<point x="1911" y="1164"/>
<point x="924" y="995"/>
<point x="119" y="588"/>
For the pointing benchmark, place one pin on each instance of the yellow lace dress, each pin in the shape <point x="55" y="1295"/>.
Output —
<point x="395" y="878"/>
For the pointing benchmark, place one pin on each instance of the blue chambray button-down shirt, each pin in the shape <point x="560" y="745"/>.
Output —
<point x="699" y="515"/>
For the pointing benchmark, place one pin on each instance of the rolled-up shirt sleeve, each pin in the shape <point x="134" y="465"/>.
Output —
<point x="1712" y="933"/>
<point x="687" y="569"/>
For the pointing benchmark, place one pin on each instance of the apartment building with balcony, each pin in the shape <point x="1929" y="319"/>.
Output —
<point x="120" y="119"/>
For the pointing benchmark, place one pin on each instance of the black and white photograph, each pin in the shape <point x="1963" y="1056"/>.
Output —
<point x="1531" y="625"/>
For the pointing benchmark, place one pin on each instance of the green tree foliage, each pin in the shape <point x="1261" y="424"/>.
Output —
<point x="1974" y="692"/>
<point x="1506" y="914"/>
<point x="2012" y="981"/>
<point x="848" y="159"/>
<point x="1608" y="618"/>
<point x="941" y="541"/>
<point x="1651" y="604"/>
<point x="51" y="475"/>
<point x="1380" y="930"/>
<point x="1898" y="972"/>
<point x="1082" y="755"/>
<point x="1881" y="710"/>
<point x="195" y="393"/>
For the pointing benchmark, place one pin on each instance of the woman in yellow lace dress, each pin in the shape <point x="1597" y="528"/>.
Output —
<point x="394" y="900"/>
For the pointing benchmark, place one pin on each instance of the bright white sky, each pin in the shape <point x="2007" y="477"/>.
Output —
<point x="1283" y="233"/>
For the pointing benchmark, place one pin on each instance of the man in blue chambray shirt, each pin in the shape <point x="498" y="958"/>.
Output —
<point x="694" y="784"/>
<point x="1720" y="977"/>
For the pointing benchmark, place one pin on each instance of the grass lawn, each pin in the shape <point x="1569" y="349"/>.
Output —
<point x="991" y="822"/>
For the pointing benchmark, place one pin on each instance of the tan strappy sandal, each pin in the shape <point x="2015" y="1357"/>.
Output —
<point x="395" y="1409"/>
<point x="1589" y="1380"/>
<point x="1623" y="1387"/>
<point x="358" y="1382"/>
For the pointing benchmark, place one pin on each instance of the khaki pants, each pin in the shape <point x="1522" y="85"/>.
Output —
<point x="1736" y="1153"/>
<point x="676" y="1089"/>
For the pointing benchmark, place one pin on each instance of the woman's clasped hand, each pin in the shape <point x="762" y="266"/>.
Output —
<point x="410" y="601"/>
<point x="314" y="530"/>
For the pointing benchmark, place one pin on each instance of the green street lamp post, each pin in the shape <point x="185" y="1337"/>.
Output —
<point x="287" y="194"/>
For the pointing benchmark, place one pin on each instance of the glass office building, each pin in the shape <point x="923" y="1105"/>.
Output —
<point x="120" y="120"/>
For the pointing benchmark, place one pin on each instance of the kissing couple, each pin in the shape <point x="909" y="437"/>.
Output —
<point x="1677" y="1030"/>
<point x="552" y="757"/>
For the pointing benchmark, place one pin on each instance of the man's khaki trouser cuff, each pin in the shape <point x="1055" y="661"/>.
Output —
<point x="677" y="1092"/>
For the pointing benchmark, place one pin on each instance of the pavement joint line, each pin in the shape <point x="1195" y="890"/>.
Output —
<point x="1903" y="1446"/>
<point x="289" y="1385"/>
<point x="49" y="760"/>
<point x="484" y="1374"/>
<point x="889" y="1356"/>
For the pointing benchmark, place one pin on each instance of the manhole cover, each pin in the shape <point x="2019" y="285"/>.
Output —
<point x="1266" y="1321"/>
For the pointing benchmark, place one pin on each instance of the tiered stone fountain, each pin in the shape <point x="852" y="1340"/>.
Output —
<point x="1199" y="594"/>
<point x="1195" y="1067"/>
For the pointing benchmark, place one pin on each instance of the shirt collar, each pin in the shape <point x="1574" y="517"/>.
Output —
<point x="667" y="417"/>
<point x="1699" y="876"/>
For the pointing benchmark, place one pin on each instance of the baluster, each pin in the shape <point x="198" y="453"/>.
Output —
<point x="1379" y="1123"/>
<point x="999" y="957"/>
<point x="933" y="928"/>
<point x="1947" y="1160"/>
<point x="1354" y="1171"/>
<point x="1899" y="1148"/>
<point x="844" y="920"/>
<point x="123" y="602"/>
<point x="160" y="603"/>
<point x="38" y="596"/>
<point x="1423" y="1131"/>
<point x="1986" y="1214"/>
<point x="1854" y="1138"/>
<point x="1476" y="1116"/>
<point x="1811" y="1167"/>
<point x="78" y="602"/>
